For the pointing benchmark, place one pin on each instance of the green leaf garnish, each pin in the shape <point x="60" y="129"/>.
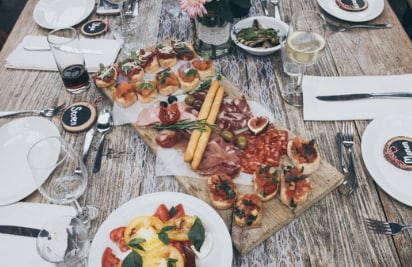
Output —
<point x="250" y="220"/>
<point x="172" y="211"/>
<point x="133" y="260"/>
<point x="191" y="72"/>
<point x="197" y="234"/>
<point x="146" y="86"/>
<point x="171" y="262"/>
<point x="135" y="243"/>
<point x="186" y="124"/>
<point x="162" y="235"/>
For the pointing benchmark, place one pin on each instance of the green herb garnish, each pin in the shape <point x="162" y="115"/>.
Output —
<point x="171" y="262"/>
<point x="163" y="235"/>
<point x="133" y="260"/>
<point x="197" y="234"/>
<point x="135" y="243"/>
<point x="186" y="124"/>
<point x="146" y="86"/>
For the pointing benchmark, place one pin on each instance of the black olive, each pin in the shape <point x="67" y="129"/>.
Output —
<point x="164" y="103"/>
<point x="171" y="99"/>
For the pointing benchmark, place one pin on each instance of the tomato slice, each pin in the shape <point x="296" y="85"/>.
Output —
<point x="109" y="259"/>
<point x="179" y="212"/>
<point x="170" y="114"/>
<point x="117" y="236"/>
<point x="162" y="213"/>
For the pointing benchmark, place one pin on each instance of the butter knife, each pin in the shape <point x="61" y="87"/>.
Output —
<point x="45" y="48"/>
<point x="363" y="96"/>
<point x="19" y="230"/>
<point x="87" y="142"/>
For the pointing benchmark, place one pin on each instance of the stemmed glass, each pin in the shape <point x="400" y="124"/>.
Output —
<point x="120" y="3"/>
<point x="59" y="174"/>
<point x="305" y="44"/>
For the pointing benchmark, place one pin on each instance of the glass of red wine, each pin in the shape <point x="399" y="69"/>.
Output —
<point x="65" y="46"/>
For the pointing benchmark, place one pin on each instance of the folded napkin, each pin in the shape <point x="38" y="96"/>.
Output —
<point x="43" y="60"/>
<point x="20" y="251"/>
<point x="365" y="109"/>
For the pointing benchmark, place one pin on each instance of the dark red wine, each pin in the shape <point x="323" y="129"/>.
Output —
<point x="75" y="76"/>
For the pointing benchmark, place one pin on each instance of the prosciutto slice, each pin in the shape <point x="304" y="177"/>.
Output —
<point x="234" y="115"/>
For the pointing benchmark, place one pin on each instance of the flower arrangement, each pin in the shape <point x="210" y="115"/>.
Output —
<point x="226" y="9"/>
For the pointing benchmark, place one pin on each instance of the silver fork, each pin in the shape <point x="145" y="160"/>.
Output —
<point x="387" y="228"/>
<point x="337" y="28"/>
<point x="347" y="141"/>
<point x="48" y="112"/>
<point x="265" y="7"/>
<point x="275" y="3"/>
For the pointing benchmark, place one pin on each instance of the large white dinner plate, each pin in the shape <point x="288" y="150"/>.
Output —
<point x="53" y="14"/>
<point x="16" y="137"/>
<point x="375" y="8"/>
<point x="394" y="181"/>
<point x="221" y="253"/>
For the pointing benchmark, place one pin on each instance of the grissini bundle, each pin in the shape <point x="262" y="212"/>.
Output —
<point x="203" y="114"/>
<point x="205" y="135"/>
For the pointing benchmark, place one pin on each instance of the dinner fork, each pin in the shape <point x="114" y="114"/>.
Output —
<point x="48" y="112"/>
<point x="347" y="141"/>
<point x="387" y="228"/>
<point x="338" y="28"/>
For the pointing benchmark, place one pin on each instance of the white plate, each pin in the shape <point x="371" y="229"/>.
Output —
<point x="266" y="22"/>
<point x="394" y="181"/>
<point x="374" y="9"/>
<point x="53" y="14"/>
<point x="16" y="138"/>
<point x="221" y="253"/>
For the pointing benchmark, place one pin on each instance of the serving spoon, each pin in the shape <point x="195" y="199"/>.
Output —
<point x="104" y="125"/>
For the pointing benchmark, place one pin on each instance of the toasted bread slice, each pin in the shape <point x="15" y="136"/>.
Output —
<point x="304" y="155"/>
<point x="295" y="188"/>
<point x="248" y="211"/>
<point x="266" y="182"/>
<point x="222" y="191"/>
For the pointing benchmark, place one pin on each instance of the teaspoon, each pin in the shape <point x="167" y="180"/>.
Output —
<point x="104" y="125"/>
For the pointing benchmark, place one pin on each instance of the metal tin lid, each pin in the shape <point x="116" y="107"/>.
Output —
<point x="95" y="27"/>
<point x="78" y="117"/>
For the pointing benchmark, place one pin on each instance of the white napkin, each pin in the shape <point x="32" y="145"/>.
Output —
<point x="20" y="251"/>
<point x="365" y="109"/>
<point x="43" y="60"/>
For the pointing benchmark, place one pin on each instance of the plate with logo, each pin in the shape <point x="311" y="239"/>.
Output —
<point x="16" y="138"/>
<point x="392" y="179"/>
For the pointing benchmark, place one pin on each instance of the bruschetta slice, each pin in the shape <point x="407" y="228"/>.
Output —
<point x="106" y="76"/>
<point x="125" y="95"/>
<point x="184" y="51"/>
<point x="266" y="182"/>
<point x="131" y="70"/>
<point x="222" y="191"/>
<point x="166" y="56"/>
<point x="188" y="77"/>
<point x="295" y="187"/>
<point x="146" y="91"/>
<point x="206" y="68"/>
<point x="147" y="60"/>
<point x="304" y="155"/>
<point x="248" y="211"/>
<point x="167" y="82"/>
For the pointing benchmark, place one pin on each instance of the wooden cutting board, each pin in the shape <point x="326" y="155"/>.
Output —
<point x="276" y="214"/>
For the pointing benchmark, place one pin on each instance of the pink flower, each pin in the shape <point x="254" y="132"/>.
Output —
<point x="194" y="8"/>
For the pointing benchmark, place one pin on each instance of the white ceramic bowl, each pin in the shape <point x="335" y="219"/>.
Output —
<point x="266" y="22"/>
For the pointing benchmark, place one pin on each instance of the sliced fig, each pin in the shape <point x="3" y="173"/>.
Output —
<point x="257" y="124"/>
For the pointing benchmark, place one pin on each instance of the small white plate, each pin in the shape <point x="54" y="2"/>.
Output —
<point x="374" y="9"/>
<point x="221" y="253"/>
<point x="16" y="138"/>
<point x="266" y="22"/>
<point x="394" y="181"/>
<point x="53" y="14"/>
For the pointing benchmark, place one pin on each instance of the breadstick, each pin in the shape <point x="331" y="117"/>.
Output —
<point x="204" y="137"/>
<point x="204" y="112"/>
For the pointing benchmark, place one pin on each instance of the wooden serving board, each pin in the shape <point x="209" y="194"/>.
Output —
<point x="276" y="214"/>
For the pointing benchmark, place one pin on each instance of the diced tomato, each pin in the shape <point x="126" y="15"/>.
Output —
<point x="162" y="213"/>
<point x="109" y="259"/>
<point x="169" y="114"/>
<point x="180" y="212"/>
<point x="117" y="236"/>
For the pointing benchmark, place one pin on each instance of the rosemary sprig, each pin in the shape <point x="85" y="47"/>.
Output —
<point x="186" y="124"/>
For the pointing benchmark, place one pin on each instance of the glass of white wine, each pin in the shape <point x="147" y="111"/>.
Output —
<point x="59" y="174"/>
<point x="305" y="44"/>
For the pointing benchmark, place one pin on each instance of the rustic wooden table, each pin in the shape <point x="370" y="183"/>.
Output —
<point x="332" y="231"/>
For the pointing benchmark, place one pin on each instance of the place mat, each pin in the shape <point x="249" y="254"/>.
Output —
<point x="365" y="109"/>
<point x="20" y="58"/>
<point x="20" y="251"/>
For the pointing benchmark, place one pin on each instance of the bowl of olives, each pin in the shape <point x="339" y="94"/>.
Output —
<point x="259" y="35"/>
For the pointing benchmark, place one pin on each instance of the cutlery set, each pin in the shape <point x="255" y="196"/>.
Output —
<point x="345" y="143"/>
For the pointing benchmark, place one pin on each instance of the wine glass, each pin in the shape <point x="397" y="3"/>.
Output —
<point x="305" y="44"/>
<point x="120" y="3"/>
<point x="64" y="241"/>
<point x="59" y="174"/>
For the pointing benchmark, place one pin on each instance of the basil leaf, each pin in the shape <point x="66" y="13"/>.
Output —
<point x="250" y="220"/>
<point x="170" y="262"/>
<point x="197" y="234"/>
<point x="167" y="228"/>
<point x="172" y="211"/>
<point x="133" y="260"/>
<point x="146" y="85"/>
<point x="135" y="243"/>
<point x="191" y="72"/>
<point x="164" y="238"/>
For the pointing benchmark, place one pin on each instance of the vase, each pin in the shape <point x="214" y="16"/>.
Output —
<point x="211" y="35"/>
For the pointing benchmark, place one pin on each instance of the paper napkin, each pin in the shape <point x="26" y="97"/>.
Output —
<point x="365" y="109"/>
<point x="20" y="251"/>
<point x="43" y="60"/>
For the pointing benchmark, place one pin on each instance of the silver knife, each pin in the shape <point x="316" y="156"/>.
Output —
<point x="87" y="142"/>
<point x="45" y="48"/>
<point x="19" y="230"/>
<point x="363" y="96"/>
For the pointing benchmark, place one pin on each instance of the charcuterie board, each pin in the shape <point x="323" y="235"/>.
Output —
<point x="276" y="214"/>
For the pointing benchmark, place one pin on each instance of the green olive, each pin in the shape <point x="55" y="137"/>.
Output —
<point x="189" y="100"/>
<point x="241" y="142"/>
<point x="227" y="135"/>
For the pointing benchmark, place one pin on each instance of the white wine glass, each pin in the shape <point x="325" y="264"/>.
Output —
<point x="305" y="44"/>
<point x="64" y="241"/>
<point x="121" y="6"/>
<point x="59" y="174"/>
